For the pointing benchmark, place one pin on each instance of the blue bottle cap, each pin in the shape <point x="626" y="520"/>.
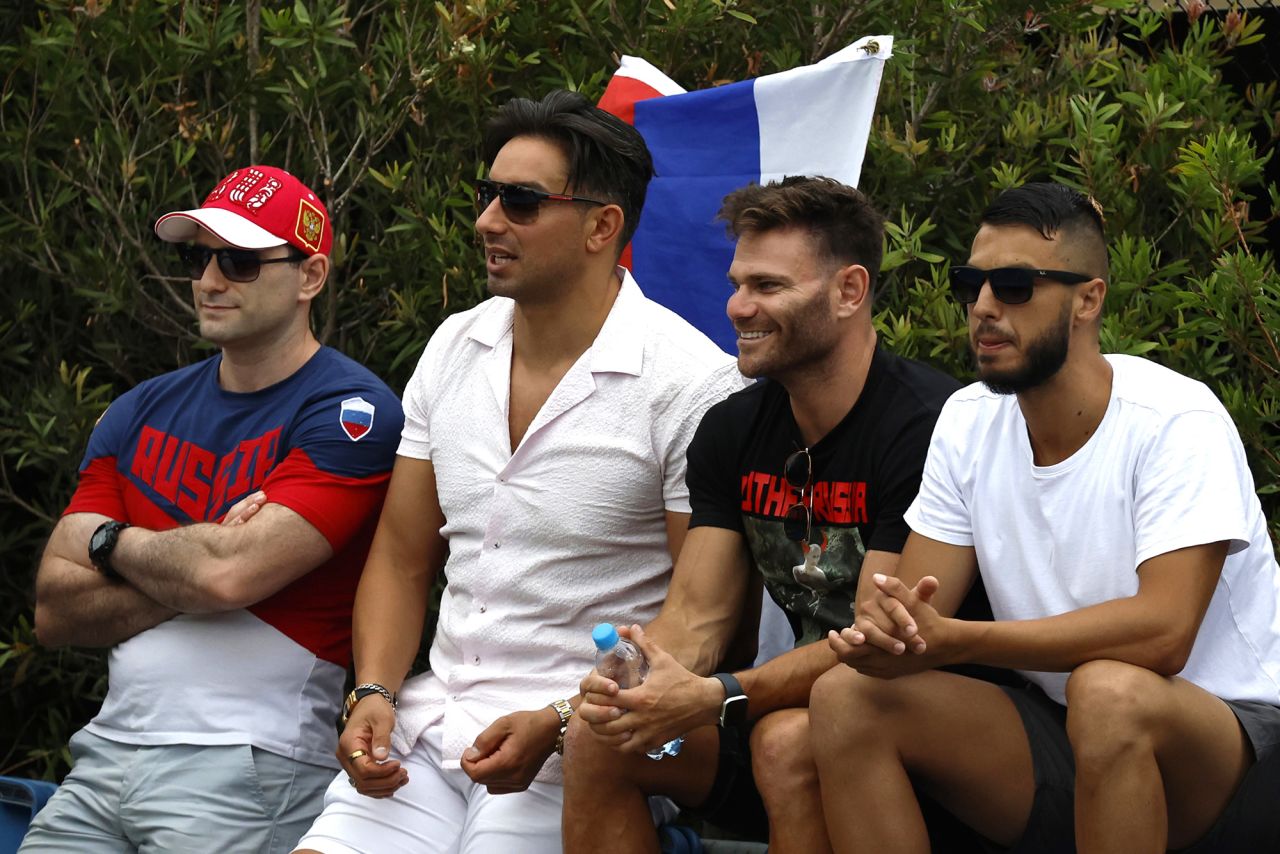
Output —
<point x="605" y="636"/>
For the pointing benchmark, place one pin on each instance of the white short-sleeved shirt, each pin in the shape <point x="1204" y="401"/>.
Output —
<point x="567" y="531"/>
<point x="1165" y="470"/>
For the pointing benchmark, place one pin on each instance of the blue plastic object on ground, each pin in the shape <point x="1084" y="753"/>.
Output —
<point x="678" y="839"/>
<point x="20" y="800"/>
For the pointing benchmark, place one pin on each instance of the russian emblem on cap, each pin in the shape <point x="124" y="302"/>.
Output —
<point x="310" y="225"/>
<point x="356" y="417"/>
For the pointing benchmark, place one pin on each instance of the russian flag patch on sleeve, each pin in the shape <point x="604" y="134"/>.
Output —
<point x="356" y="417"/>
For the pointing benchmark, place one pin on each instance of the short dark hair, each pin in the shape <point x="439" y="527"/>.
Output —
<point x="1052" y="209"/>
<point x="608" y="158"/>
<point x="1045" y="206"/>
<point x="846" y="226"/>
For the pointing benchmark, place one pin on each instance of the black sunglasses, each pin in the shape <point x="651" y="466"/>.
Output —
<point x="237" y="265"/>
<point x="520" y="204"/>
<point x="797" y="524"/>
<point x="1011" y="285"/>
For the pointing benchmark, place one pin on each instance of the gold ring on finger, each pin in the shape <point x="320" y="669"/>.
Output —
<point x="355" y="754"/>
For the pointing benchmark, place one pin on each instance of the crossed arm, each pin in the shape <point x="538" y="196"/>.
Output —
<point x="1155" y="628"/>
<point x="76" y="604"/>
<point x="193" y="569"/>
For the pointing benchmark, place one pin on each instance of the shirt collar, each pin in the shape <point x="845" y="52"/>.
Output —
<point x="619" y="346"/>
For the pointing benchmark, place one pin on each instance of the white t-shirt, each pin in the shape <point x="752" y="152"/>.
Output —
<point x="1165" y="470"/>
<point x="567" y="531"/>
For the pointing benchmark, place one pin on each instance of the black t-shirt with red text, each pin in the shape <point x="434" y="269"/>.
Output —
<point x="866" y="472"/>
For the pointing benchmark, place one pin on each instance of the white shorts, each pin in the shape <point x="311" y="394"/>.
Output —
<point x="436" y="811"/>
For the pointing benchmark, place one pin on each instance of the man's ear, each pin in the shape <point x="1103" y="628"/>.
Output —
<point x="854" y="283"/>
<point x="1089" y="299"/>
<point x="603" y="225"/>
<point x="315" y="272"/>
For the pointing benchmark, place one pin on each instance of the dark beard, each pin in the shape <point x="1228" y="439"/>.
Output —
<point x="1045" y="357"/>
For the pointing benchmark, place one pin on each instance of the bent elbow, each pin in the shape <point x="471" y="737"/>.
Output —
<point x="225" y="587"/>
<point x="1169" y="654"/>
<point x="50" y="629"/>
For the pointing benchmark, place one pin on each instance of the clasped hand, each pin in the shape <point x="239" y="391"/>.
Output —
<point x="671" y="702"/>
<point x="893" y="621"/>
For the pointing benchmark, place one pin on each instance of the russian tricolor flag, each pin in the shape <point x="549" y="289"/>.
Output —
<point x="356" y="417"/>
<point x="812" y="120"/>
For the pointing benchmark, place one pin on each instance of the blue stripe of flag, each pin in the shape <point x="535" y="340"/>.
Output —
<point x="704" y="144"/>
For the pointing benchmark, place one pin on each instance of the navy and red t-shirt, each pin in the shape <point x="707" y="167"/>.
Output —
<point x="178" y="449"/>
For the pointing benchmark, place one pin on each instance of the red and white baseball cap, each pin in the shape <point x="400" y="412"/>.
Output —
<point x="256" y="207"/>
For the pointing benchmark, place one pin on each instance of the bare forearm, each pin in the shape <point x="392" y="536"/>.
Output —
<point x="784" y="682"/>
<point x="1120" y="630"/>
<point x="76" y="605"/>
<point x="390" y="609"/>
<point x="697" y="641"/>
<point x="209" y="568"/>
<point x="178" y="567"/>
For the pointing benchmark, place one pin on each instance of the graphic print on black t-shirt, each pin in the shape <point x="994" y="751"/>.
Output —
<point x="866" y="472"/>
<point x="826" y="595"/>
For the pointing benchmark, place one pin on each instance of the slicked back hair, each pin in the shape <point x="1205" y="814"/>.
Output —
<point x="842" y="220"/>
<point x="1052" y="209"/>
<point x="608" y="158"/>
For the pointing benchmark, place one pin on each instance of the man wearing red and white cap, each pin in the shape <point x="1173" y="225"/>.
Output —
<point x="214" y="541"/>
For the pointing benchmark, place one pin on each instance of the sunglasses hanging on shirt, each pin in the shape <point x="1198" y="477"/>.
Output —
<point x="797" y="524"/>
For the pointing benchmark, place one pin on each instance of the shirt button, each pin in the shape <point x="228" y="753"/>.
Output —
<point x="495" y="545"/>
<point x="482" y="609"/>
<point x="477" y="659"/>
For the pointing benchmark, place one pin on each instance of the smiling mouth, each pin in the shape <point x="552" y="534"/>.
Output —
<point x="752" y="336"/>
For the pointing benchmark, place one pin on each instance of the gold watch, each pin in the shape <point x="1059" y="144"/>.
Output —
<point x="565" y="711"/>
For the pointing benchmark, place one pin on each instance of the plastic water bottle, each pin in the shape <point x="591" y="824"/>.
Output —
<point x="619" y="660"/>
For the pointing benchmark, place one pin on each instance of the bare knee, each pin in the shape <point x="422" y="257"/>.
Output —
<point x="781" y="759"/>
<point x="587" y="760"/>
<point x="844" y="702"/>
<point x="1112" y="708"/>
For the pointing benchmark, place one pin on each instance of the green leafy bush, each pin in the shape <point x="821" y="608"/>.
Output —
<point x="113" y="112"/>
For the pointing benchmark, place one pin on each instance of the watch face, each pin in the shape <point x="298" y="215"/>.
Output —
<point x="102" y="543"/>
<point x="734" y="711"/>
<point x="101" y="539"/>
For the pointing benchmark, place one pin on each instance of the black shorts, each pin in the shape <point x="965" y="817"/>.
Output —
<point x="734" y="803"/>
<point x="1250" y="822"/>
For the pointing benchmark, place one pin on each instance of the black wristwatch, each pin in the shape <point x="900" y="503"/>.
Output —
<point x="102" y="544"/>
<point x="733" y="711"/>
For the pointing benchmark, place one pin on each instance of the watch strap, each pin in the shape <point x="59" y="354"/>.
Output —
<point x="733" y="711"/>
<point x="102" y="543"/>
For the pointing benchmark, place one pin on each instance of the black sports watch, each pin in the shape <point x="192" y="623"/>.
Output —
<point x="733" y="711"/>
<point x="102" y="544"/>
